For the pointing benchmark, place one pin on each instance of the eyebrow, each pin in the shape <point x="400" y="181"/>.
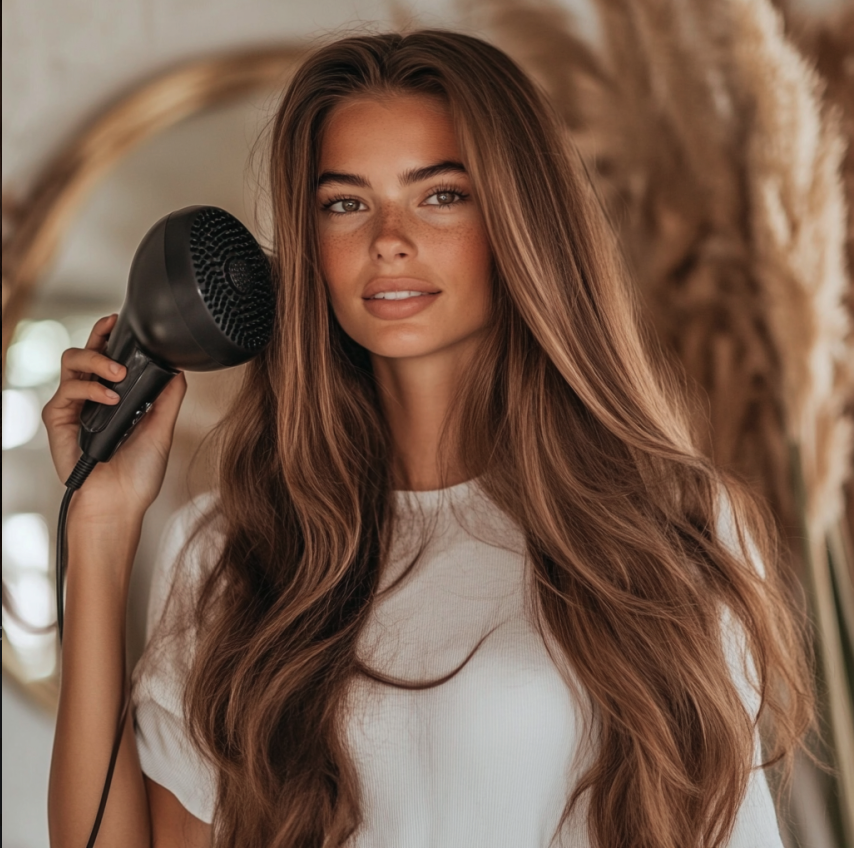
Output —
<point x="413" y="175"/>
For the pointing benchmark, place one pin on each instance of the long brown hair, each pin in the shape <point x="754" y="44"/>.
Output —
<point x="573" y="429"/>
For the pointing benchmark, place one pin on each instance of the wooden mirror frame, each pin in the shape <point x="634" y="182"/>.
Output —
<point x="34" y="227"/>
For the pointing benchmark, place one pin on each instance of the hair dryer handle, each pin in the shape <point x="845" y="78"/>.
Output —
<point x="104" y="428"/>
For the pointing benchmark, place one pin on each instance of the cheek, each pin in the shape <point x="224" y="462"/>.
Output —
<point x="468" y="256"/>
<point x="337" y="259"/>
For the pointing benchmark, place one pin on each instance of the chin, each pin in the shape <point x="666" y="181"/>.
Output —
<point x="397" y="342"/>
<point x="403" y="350"/>
<point x="418" y="342"/>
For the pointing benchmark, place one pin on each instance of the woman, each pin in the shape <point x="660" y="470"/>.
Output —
<point x="465" y="579"/>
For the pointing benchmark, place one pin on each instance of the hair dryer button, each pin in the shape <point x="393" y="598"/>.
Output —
<point x="138" y="416"/>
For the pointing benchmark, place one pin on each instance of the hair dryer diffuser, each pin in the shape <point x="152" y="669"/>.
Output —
<point x="199" y="298"/>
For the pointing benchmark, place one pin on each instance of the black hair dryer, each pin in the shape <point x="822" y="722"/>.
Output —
<point x="200" y="297"/>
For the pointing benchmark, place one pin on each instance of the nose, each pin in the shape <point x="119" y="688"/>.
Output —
<point x="392" y="238"/>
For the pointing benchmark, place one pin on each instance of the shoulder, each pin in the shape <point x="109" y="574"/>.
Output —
<point x="196" y="521"/>
<point x="188" y="549"/>
<point x="189" y="544"/>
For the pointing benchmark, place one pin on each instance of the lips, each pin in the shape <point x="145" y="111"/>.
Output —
<point x="398" y="284"/>
<point x="394" y="310"/>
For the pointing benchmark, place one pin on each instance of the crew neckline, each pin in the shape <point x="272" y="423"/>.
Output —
<point x="431" y="497"/>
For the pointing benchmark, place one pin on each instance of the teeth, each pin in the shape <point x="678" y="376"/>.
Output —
<point x="399" y="295"/>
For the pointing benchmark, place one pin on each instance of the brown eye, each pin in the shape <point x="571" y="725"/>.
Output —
<point x="445" y="197"/>
<point x="347" y="204"/>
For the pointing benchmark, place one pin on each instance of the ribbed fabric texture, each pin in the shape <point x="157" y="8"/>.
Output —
<point x="488" y="758"/>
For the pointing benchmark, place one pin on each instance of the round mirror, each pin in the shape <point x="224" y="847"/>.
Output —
<point x="210" y="153"/>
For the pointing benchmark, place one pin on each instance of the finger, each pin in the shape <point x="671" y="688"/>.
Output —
<point x="78" y="361"/>
<point x="73" y="392"/>
<point x="101" y="332"/>
<point x="61" y="416"/>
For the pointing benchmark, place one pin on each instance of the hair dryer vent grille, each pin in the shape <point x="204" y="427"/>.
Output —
<point x="234" y="278"/>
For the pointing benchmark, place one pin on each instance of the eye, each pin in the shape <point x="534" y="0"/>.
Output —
<point x="446" y="197"/>
<point x="442" y="197"/>
<point x="347" y="204"/>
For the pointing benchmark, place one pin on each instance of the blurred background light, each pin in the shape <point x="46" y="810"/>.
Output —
<point x="26" y="543"/>
<point x="26" y="559"/>
<point x="21" y="417"/>
<point x="34" y="357"/>
<point x="33" y="599"/>
<point x="35" y="650"/>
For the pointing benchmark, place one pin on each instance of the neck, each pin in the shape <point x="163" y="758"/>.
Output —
<point x="416" y="394"/>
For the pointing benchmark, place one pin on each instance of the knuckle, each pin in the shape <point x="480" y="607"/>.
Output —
<point x="49" y="412"/>
<point x="66" y="391"/>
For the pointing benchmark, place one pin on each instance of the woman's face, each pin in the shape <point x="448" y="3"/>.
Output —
<point x="403" y="247"/>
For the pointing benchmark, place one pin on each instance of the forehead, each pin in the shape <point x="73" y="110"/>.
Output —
<point x="369" y="131"/>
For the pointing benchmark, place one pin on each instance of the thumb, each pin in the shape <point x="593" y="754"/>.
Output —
<point x="164" y="411"/>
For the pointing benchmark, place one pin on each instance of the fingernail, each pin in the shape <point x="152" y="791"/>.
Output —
<point x="112" y="394"/>
<point x="115" y="368"/>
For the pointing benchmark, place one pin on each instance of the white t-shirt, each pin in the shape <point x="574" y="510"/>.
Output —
<point x="488" y="758"/>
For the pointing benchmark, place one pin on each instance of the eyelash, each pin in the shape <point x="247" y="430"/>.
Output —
<point x="461" y="195"/>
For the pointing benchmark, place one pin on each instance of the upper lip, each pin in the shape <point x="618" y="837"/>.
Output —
<point x="395" y="284"/>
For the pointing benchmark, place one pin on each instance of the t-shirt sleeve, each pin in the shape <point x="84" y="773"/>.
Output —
<point x="166" y="753"/>
<point x="756" y="823"/>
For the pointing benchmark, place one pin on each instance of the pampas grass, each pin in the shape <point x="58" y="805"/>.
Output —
<point x="654" y="114"/>
<point x="798" y="222"/>
<point x="798" y="225"/>
<point x="706" y="135"/>
<point x="827" y="41"/>
<point x="718" y="152"/>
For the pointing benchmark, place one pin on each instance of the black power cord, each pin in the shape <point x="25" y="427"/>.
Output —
<point x="75" y="480"/>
